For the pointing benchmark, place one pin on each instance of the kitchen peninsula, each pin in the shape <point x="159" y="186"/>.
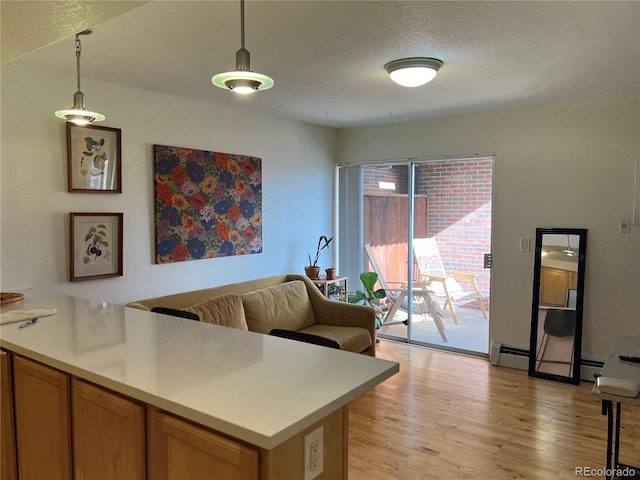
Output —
<point x="171" y="398"/>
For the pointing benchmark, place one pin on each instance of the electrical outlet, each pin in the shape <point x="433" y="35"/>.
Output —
<point x="625" y="226"/>
<point x="525" y="244"/>
<point x="314" y="453"/>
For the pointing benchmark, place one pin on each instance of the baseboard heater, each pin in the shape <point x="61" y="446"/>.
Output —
<point x="514" y="357"/>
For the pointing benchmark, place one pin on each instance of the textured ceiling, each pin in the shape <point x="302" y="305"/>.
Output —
<point x="29" y="25"/>
<point x="327" y="57"/>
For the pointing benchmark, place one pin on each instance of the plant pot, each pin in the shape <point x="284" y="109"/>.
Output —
<point x="331" y="273"/>
<point x="312" y="272"/>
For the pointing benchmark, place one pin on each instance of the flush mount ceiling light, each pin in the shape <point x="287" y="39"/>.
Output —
<point x="79" y="115"/>
<point x="242" y="80"/>
<point x="413" y="72"/>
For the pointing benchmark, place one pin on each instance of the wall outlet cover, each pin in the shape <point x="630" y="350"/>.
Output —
<point x="314" y="453"/>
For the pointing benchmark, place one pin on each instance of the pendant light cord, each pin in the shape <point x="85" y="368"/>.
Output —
<point x="242" y="23"/>
<point x="78" y="51"/>
<point x="88" y="31"/>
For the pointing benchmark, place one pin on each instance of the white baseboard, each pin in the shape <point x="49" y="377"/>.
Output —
<point x="512" y="357"/>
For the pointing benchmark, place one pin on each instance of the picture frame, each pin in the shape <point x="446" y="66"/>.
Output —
<point x="95" y="245"/>
<point x="94" y="159"/>
<point x="636" y="203"/>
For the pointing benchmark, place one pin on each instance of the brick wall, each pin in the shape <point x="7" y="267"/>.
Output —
<point x="396" y="174"/>
<point x="459" y="212"/>
<point x="458" y="209"/>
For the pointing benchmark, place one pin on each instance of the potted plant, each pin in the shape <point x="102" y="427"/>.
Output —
<point x="331" y="273"/>
<point x="313" y="270"/>
<point x="368" y="296"/>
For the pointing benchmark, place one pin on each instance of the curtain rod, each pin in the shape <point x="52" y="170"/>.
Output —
<point x="404" y="161"/>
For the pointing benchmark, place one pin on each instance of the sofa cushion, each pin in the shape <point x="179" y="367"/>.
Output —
<point x="351" y="339"/>
<point x="286" y="306"/>
<point x="226" y="310"/>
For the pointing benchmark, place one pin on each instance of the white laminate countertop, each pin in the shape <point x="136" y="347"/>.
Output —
<point x="259" y="389"/>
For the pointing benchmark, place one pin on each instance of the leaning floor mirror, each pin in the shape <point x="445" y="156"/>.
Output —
<point x="556" y="314"/>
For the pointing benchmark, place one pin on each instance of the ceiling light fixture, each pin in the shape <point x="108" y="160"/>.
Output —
<point x="79" y="115"/>
<point x="413" y="72"/>
<point x="242" y="80"/>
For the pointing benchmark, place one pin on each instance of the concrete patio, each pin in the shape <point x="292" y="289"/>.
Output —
<point x="471" y="334"/>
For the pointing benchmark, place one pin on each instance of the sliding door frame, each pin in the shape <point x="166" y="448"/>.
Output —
<point x="349" y="213"/>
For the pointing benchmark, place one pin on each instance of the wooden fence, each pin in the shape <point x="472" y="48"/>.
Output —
<point x="385" y="229"/>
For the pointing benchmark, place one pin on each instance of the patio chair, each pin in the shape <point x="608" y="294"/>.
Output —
<point x="441" y="284"/>
<point x="398" y="297"/>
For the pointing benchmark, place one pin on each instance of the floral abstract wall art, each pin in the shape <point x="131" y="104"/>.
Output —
<point x="207" y="204"/>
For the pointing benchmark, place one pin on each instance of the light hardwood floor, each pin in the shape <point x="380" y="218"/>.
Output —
<point x="450" y="416"/>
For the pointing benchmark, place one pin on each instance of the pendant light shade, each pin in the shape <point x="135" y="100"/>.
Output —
<point x="79" y="114"/>
<point x="413" y="72"/>
<point x="242" y="80"/>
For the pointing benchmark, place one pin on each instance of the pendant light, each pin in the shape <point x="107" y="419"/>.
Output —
<point x="79" y="115"/>
<point x="242" y="80"/>
<point x="413" y="72"/>
<point x="568" y="251"/>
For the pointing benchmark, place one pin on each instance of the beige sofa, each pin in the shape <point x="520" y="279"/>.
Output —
<point x="290" y="302"/>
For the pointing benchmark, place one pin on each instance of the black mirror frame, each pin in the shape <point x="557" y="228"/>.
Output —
<point x="533" y="344"/>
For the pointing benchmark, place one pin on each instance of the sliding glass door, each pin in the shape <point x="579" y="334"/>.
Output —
<point x="425" y="228"/>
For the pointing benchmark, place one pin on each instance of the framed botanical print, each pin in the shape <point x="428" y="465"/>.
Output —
<point x="96" y="245"/>
<point x="94" y="158"/>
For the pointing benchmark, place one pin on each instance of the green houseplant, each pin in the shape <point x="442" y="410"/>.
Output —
<point x="368" y="295"/>
<point x="313" y="270"/>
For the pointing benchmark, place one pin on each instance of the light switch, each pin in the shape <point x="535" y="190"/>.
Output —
<point x="525" y="244"/>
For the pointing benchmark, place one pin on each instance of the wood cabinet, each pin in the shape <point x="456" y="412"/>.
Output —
<point x="108" y="435"/>
<point x="8" y="466"/>
<point x="42" y="418"/>
<point x="116" y="438"/>
<point x="178" y="450"/>
<point x="554" y="284"/>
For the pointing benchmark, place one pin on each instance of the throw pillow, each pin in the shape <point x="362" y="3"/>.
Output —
<point x="226" y="310"/>
<point x="285" y="306"/>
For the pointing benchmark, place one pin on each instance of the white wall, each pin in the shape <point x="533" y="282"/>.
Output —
<point x="563" y="165"/>
<point x="298" y="167"/>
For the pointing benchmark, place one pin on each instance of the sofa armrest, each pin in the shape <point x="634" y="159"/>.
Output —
<point x="335" y="313"/>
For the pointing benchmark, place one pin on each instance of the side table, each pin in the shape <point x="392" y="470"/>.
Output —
<point x="334" y="289"/>
<point x="612" y="405"/>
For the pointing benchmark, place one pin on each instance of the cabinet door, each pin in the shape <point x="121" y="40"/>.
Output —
<point x="108" y="435"/>
<point x="553" y="287"/>
<point x="42" y="421"/>
<point x="177" y="450"/>
<point x="8" y="468"/>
